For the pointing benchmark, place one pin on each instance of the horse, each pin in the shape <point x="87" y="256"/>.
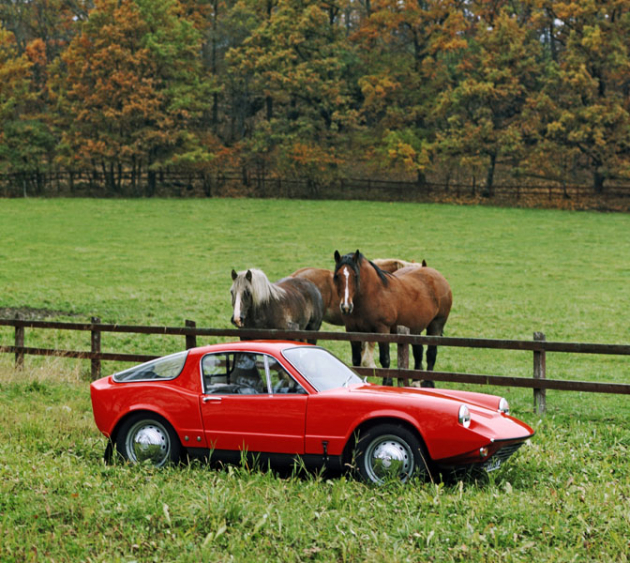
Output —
<point x="288" y="304"/>
<point x="372" y="300"/>
<point x="323" y="279"/>
<point x="392" y="264"/>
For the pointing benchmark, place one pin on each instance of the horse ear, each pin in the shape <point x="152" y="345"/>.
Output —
<point x="357" y="256"/>
<point x="337" y="256"/>
<point x="424" y="263"/>
<point x="234" y="274"/>
<point x="248" y="275"/>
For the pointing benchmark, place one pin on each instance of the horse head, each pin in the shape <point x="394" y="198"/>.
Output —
<point x="241" y="291"/>
<point x="347" y="279"/>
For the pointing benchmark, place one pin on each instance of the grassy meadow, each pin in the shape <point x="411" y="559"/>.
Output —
<point x="563" y="497"/>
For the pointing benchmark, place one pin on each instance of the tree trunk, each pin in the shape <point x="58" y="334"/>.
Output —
<point x="489" y="191"/>
<point x="598" y="181"/>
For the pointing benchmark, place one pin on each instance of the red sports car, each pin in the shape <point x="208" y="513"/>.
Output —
<point x="283" y="401"/>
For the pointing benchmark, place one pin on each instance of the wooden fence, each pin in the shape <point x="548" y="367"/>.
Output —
<point x="539" y="347"/>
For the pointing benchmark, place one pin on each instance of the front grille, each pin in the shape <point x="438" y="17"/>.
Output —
<point x="501" y="456"/>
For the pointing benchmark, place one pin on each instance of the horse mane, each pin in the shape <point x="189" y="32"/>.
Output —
<point x="382" y="274"/>
<point x="261" y="288"/>
<point x="348" y="260"/>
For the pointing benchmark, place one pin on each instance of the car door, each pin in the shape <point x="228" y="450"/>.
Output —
<point x="251" y="403"/>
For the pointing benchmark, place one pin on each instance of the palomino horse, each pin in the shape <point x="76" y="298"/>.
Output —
<point x="372" y="300"/>
<point x="393" y="264"/>
<point x="323" y="279"/>
<point x="291" y="303"/>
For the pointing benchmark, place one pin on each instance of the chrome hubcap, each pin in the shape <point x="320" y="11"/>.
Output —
<point x="148" y="441"/>
<point x="389" y="457"/>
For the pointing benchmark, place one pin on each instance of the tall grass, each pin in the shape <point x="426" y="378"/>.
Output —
<point x="563" y="497"/>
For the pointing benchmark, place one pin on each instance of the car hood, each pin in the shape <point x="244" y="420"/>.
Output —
<point x="472" y="399"/>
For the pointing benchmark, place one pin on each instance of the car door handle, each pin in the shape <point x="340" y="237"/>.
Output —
<point x="211" y="398"/>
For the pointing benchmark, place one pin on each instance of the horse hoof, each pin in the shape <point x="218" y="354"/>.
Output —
<point x="427" y="383"/>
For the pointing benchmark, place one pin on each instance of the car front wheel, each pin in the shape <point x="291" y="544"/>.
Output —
<point x="148" y="438"/>
<point x="390" y="452"/>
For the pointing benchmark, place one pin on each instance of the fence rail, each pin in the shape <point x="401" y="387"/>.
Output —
<point x="538" y="346"/>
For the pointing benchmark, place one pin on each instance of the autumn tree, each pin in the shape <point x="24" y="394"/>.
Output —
<point x="296" y="66"/>
<point x="129" y="89"/>
<point x="587" y="88"/>
<point x="405" y="48"/>
<point x="25" y="140"/>
<point x="430" y="89"/>
<point x="483" y="110"/>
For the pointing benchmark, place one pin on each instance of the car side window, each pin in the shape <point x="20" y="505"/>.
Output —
<point x="281" y="382"/>
<point x="233" y="373"/>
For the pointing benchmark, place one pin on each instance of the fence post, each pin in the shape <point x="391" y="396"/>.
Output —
<point x="96" y="348"/>
<point x="403" y="354"/>
<point x="540" y="372"/>
<point x="191" y="339"/>
<point x="19" y="343"/>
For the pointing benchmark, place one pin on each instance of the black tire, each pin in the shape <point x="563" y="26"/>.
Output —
<point x="390" y="452"/>
<point x="147" y="437"/>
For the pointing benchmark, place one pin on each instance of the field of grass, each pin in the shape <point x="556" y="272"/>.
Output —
<point x="564" y="497"/>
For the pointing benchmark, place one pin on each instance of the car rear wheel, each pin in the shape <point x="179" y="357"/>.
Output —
<point x="390" y="452"/>
<point x="148" y="438"/>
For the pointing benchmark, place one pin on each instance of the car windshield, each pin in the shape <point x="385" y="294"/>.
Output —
<point x="320" y="368"/>
<point x="168" y="367"/>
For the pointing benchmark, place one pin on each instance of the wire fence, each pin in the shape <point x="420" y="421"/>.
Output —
<point x="167" y="183"/>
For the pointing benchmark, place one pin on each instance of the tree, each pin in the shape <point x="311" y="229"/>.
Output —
<point x="588" y="86"/>
<point x="484" y="108"/>
<point x="25" y="141"/>
<point x="130" y="91"/>
<point x="294" y="68"/>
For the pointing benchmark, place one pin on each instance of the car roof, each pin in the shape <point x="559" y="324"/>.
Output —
<point x="262" y="346"/>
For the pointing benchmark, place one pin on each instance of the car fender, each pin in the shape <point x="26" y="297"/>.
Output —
<point x="373" y="418"/>
<point x="328" y="430"/>
<point x="179" y="407"/>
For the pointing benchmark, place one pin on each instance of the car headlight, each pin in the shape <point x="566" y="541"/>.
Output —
<point x="504" y="406"/>
<point x="464" y="416"/>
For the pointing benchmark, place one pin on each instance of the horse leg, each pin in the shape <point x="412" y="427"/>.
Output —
<point x="356" y="353"/>
<point x="367" y="355"/>
<point x="383" y="350"/>
<point x="435" y="328"/>
<point x="417" y="359"/>
<point x="431" y="356"/>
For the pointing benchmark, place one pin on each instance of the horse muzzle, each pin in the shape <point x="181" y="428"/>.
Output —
<point x="237" y="322"/>
<point x="346" y="308"/>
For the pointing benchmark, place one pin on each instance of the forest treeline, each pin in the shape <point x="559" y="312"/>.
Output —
<point x="438" y="90"/>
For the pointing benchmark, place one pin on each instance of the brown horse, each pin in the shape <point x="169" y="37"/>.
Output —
<point x="323" y="279"/>
<point x="290" y="303"/>
<point x="372" y="300"/>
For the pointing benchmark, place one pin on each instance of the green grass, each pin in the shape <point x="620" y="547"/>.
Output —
<point x="564" y="497"/>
